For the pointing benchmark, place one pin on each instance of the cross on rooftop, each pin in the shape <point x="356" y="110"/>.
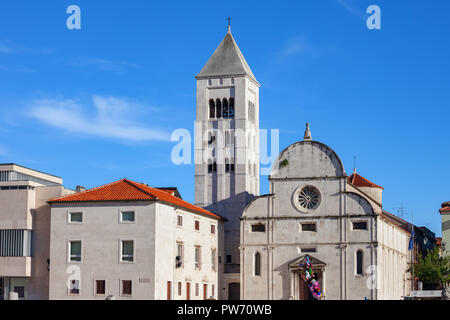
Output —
<point x="229" y="21"/>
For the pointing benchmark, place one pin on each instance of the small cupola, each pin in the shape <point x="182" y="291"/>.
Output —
<point x="368" y="187"/>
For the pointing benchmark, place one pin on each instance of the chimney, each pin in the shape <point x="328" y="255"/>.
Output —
<point x="80" y="189"/>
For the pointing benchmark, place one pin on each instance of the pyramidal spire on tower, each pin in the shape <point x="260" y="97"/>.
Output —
<point x="227" y="60"/>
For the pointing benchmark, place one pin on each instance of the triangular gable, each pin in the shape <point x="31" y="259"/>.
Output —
<point x="298" y="262"/>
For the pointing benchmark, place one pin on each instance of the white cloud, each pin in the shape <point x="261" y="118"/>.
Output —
<point x="352" y="9"/>
<point x="16" y="69"/>
<point x="112" y="118"/>
<point x="9" y="47"/>
<point x="101" y="64"/>
<point x="296" y="45"/>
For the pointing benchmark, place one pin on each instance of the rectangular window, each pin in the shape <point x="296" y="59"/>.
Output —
<point x="213" y="259"/>
<point x="20" y="291"/>
<point x="228" y="258"/>
<point x="180" y="221"/>
<point x="196" y="289"/>
<point x="258" y="227"/>
<point x="15" y="243"/>
<point x="197" y="259"/>
<point x="127" y="216"/>
<point x="308" y="250"/>
<point x="75" y="251"/>
<point x="308" y="227"/>
<point x="127" y="251"/>
<point x="76" y="217"/>
<point x="197" y="225"/>
<point x="180" y="255"/>
<point x="74" y="287"/>
<point x="213" y="229"/>
<point x="127" y="289"/>
<point x="100" y="287"/>
<point x="179" y="288"/>
<point x="362" y="225"/>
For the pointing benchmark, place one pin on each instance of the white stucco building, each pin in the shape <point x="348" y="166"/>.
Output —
<point x="315" y="210"/>
<point x="132" y="241"/>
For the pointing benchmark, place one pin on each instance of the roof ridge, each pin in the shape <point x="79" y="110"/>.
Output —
<point x="133" y="184"/>
<point x="87" y="191"/>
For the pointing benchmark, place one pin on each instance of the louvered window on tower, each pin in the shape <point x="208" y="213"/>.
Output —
<point x="15" y="243"/>
<point x="218" y="108"/>
<point x="225" y="107"/>
<point x="212" y="109"/>
<point x="231" y="108"/>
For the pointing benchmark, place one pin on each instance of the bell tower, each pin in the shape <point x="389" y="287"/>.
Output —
<point x="227" y="146"/>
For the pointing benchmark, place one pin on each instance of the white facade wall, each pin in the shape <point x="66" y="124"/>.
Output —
<point x="154" y="233"/>
<point x="394" y="281"/>
<point x="203" y="238"/>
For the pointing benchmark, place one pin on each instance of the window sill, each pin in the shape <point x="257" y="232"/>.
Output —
<point x="76" y="262"/>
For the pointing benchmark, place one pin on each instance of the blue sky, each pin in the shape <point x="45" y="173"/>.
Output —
<point x="98" y="104"/>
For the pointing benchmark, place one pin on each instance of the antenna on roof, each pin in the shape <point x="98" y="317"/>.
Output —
<point x="401" y="211"/>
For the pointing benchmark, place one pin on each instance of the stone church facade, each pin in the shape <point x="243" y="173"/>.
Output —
<point x="313" y="209"/>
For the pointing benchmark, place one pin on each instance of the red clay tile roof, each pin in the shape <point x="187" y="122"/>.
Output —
<point x="127" y="190"/>
<point x="359" y="181"/>
<point x="444" y="209"/>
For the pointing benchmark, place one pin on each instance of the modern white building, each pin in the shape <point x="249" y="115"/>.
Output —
<point x="25" y="230"/>
<point x="132" y="241"/>
<point x="314" y="210"/>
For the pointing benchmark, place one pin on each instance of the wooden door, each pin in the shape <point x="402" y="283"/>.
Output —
<point x="169" y="290"/>
<point x="303" y="290"/>
<point x="234" y="292"/>
<point x="205" y="291"/>
<point x="188" y="291"/>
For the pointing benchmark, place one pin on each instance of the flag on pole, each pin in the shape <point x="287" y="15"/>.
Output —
<point x="411" y="240"/>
